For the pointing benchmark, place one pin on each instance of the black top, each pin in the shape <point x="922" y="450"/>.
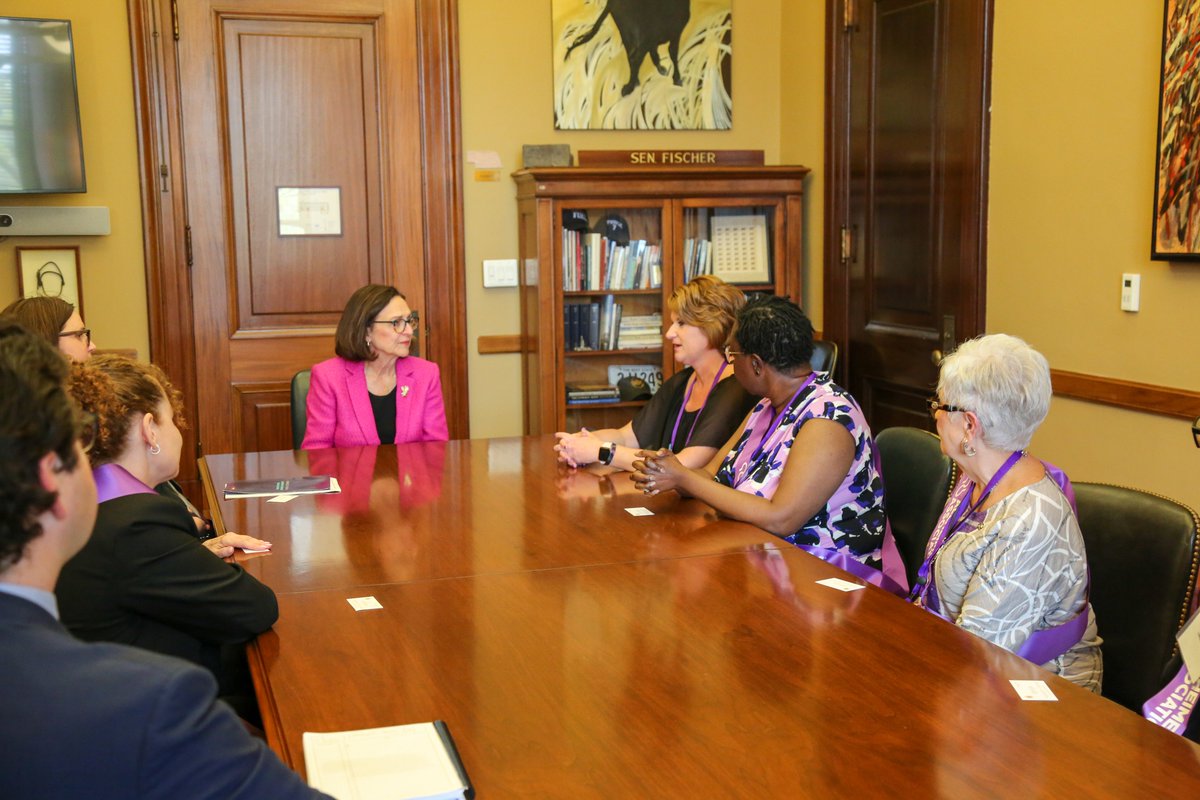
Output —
<point x="143" y="579"/>
<point x="726" y="408"/>
<point x="384" y="409"/>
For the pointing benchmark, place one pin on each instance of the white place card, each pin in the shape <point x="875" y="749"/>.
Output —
<point x="283" y="498"/>
<point x="841" y="585"/>
<point x="1033" y="690"/>
<point x="363" y="603"/>
<point x="639" y="511"/>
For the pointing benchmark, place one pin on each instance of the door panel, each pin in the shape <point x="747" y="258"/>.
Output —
<point x="907" y="180"/>
<point x="302" y="103"/>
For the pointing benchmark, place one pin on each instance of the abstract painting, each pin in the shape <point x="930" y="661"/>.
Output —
<point x="1177" y="184"/>
<point x="643" y="64"/>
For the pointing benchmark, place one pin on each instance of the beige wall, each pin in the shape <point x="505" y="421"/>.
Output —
<point x="112" y="269"/>
<point x="506" y="103"/>
<point x="1071" y="197"/>
<point x="802" y="133"/>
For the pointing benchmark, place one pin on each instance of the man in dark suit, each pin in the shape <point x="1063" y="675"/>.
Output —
<point x="91" y="720"/>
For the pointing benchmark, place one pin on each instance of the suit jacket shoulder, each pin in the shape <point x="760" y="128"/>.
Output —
<point x="99" y="720"/>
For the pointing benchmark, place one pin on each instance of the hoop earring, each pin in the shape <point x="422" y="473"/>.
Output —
<point x="968" y="449"/>
<point x="155" y="449"/>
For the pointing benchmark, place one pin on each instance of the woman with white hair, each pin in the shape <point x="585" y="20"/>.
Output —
<point x="1006" y="560"/>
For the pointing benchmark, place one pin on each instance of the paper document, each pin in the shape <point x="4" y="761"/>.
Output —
<point x="402" y="761"/>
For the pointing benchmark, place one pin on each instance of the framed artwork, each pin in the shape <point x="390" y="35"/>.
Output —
<point x="643" y="64"/>
<point x="1177" y="182"/>
<point x="50" y="272"/>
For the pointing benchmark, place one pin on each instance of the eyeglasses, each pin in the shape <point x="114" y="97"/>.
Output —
<point x="83" y="334"/>
<point x="400" y="323"/>
<point x="89" y="429"/>
<point x="729" y="354"/>
<point x="936" y="405"/>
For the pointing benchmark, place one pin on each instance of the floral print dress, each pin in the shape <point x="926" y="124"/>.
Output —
<point x="853" y="519"/>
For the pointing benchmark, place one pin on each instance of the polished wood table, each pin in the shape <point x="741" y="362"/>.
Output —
<point x="578" y="651"/>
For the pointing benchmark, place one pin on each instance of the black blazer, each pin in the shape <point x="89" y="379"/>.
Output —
<point x="105" y="721"/>
<point x="144" y="580"/>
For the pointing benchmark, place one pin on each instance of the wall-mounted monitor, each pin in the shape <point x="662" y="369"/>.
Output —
<point x="41" y="145"/>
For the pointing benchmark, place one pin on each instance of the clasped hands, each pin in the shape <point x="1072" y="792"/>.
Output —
<point x="657" y="471"/>
<point x="577" y="449"/>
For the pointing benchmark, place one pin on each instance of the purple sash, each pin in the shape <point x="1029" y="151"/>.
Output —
<point x="1042" y="646"/>
<point x="855" y="567"/>
<point x="688" y="396"/>
<point x="113" y="481"/>
<point x="1172" y="707"/>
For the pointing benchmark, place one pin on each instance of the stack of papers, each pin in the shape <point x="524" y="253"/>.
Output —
<point x="402" y="761"/>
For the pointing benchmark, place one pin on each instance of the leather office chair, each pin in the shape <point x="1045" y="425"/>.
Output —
<point x="1143" y="551"/>
<point x="824" y="357"/>
<point x="917" y="479"/>
<point x="299" y="406"/>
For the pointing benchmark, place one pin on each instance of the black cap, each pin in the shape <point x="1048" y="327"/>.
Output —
<point x="575" y="219"/>
<point x="632" y="387"/>
<point x="614" y="228"/>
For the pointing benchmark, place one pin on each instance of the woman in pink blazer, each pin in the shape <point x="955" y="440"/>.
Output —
<point x="374" y="392"/>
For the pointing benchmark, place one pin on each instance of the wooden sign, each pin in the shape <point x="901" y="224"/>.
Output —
<point x="670" y="158"/>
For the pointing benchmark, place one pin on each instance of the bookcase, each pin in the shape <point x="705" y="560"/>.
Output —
<point x="601" y="250"/>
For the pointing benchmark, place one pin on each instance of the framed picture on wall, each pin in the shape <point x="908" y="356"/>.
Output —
<point x="50" y="272"/>
<point x="663" y="65"/>
<point x="1177" y="180"/>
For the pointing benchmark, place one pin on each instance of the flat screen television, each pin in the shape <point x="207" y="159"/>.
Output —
<point x="41" y="145"/>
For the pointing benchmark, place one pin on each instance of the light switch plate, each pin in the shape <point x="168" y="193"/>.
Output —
<point x="1131" y="291"/>
<point x="499" y="272"/>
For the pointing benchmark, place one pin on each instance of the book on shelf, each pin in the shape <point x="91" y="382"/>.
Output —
<point x="591" y="262"/>
<point x="400" y="762"/>
<point x="273" y="487"/>
<point x="592" y="391"/>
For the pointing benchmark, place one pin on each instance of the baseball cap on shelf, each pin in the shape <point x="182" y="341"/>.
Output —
<point x="614" y="228"/>
<point x="575" y="219"/>
<point x="631" y="387"/>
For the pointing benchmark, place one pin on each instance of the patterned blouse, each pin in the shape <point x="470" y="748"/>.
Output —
<point x="1017" y="568"/>
<point x="852" y="521"/>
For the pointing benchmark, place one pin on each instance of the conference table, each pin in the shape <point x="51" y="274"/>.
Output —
<point x="576" y="649"/>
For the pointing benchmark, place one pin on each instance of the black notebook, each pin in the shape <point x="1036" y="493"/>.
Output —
<point x="401" y="762"/>
<point x="308" y="484"/>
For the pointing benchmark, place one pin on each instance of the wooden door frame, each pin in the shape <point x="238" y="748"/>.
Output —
<point x="164" y="212"/>
<point x="840" y="16"/>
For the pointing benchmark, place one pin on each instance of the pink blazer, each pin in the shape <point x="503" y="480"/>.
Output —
<point x="339" y="409"/>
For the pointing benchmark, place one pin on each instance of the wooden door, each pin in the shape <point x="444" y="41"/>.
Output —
<point x="314" y="155"/>
<point x="907" y="164"/>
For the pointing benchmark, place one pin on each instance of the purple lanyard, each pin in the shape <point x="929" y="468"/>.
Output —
<point x="952" y="517"/>
<point x="742" y="462"/>
<point x="699" y="411"/>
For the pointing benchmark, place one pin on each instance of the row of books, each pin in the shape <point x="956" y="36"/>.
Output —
<point x="697" y="258"/>
<point x="594" y="262"/>
<point x="602" y="326"/>
<point x="589" y="393"/>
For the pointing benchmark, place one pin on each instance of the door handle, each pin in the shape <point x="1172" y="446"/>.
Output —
<point x="936" y="357"/>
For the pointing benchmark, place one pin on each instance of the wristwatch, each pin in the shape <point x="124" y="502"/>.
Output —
<point x="607" y="451"/>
